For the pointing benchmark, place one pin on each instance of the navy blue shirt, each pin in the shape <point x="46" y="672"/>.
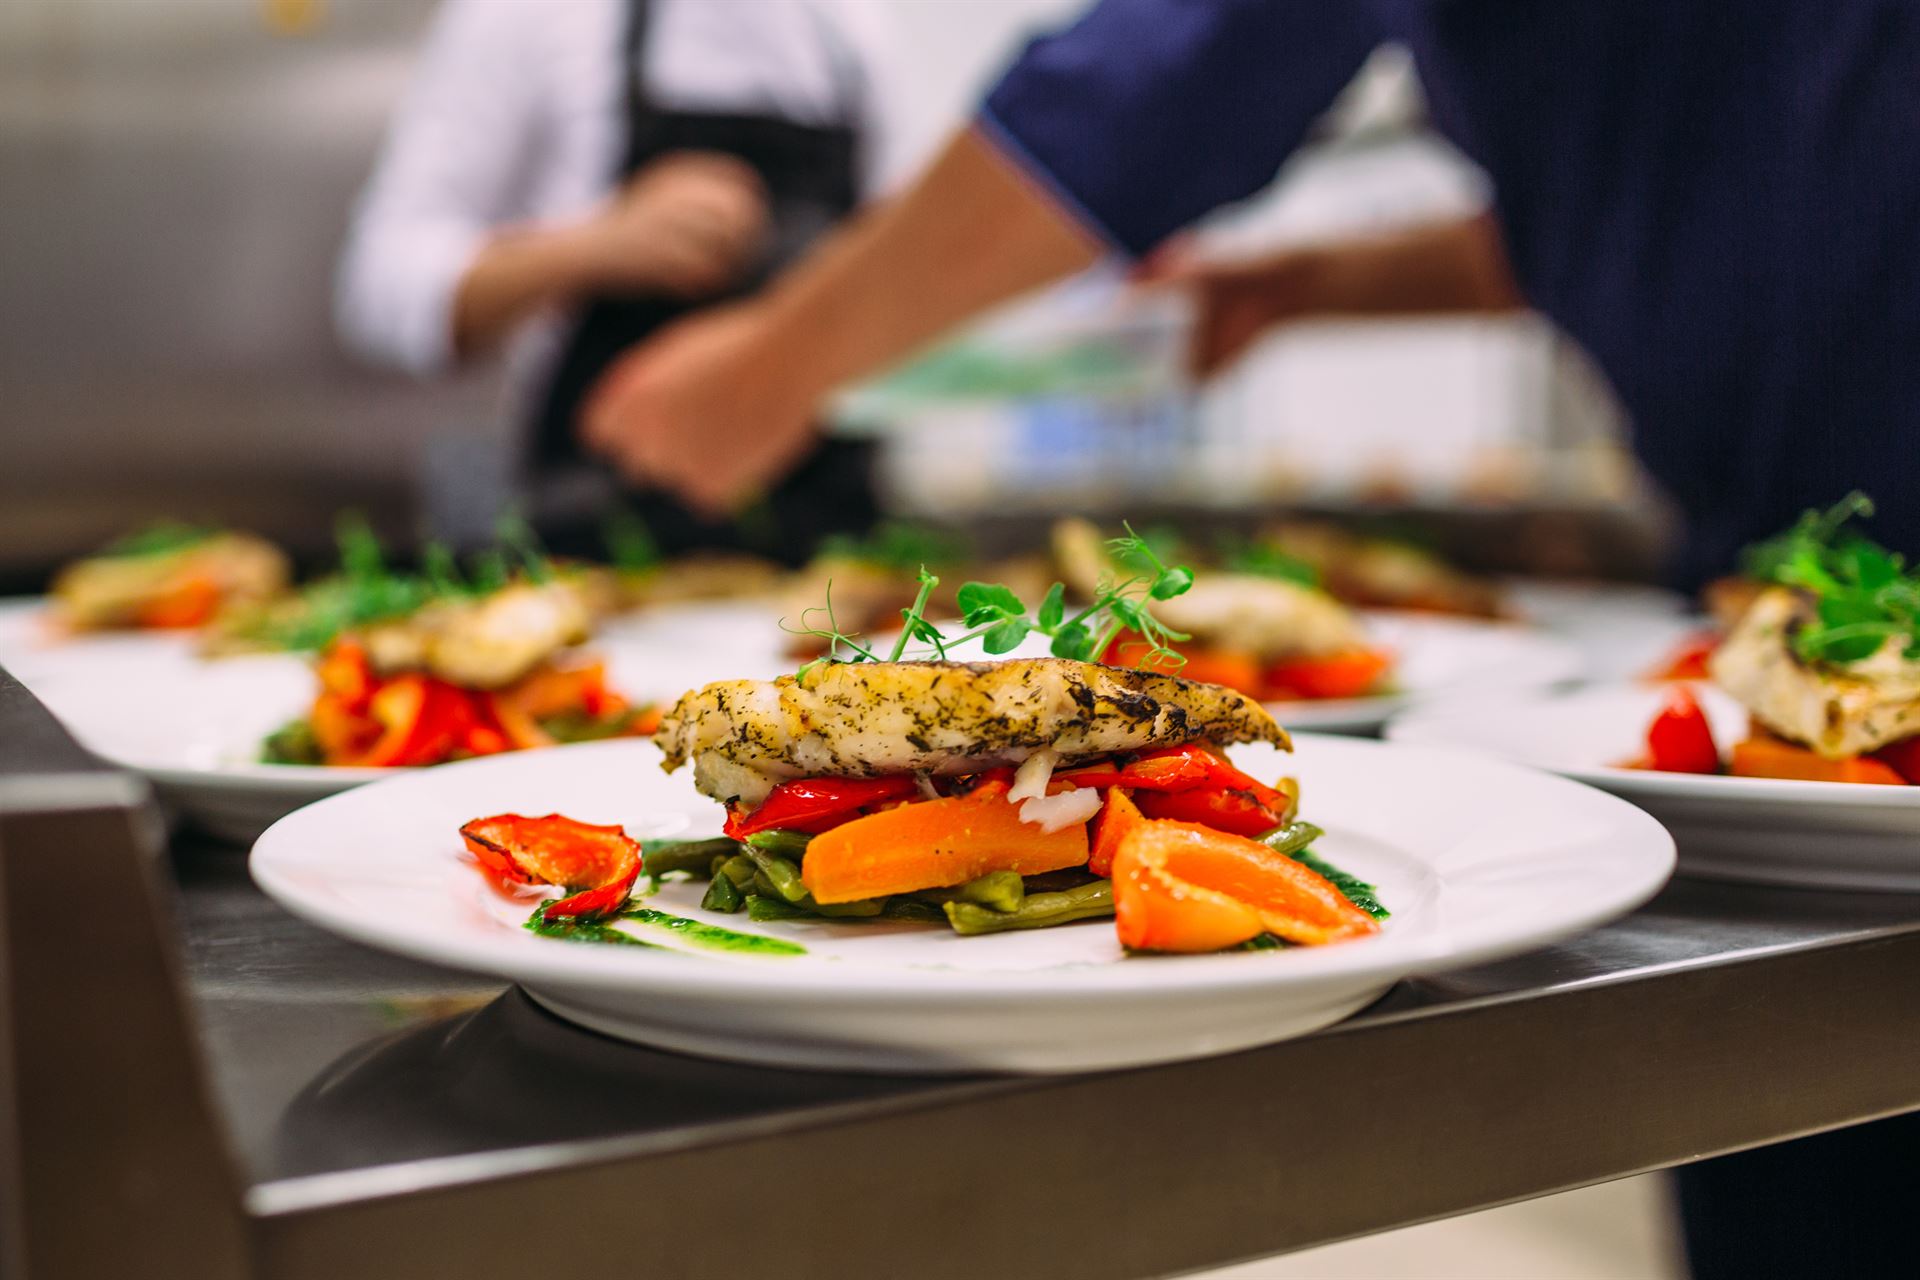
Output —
<point x="1720" y="199"/>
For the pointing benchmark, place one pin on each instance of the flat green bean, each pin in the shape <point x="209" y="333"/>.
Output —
<point x="739" y="869"/>
<point x="781" y="876"/>
<point x="1291" y="838"/>
<point x="695" y="856"/>
<point x="762" y="906"/>
<point x="1001" y="890"/>
<point x="1037" y="911"/>
<point x="723" y="895"/>
<point x="791" y="845"/>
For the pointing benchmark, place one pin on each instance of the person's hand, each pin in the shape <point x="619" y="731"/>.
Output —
<point x="688" y="224"/>
<point x="1233" y="302"/>
<point x="698" y="410"/>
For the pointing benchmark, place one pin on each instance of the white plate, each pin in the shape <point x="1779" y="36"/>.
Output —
<point x="1476" y="859"/>
<point x="1821" y="834"/>
<point x="194" y="726"/>
<point x="32" y="645"/>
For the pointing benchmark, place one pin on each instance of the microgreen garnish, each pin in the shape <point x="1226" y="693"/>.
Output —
<point x="1863" y="593"/>
<point x="630" y="543"/>
<point x="368" y="590"/>
<point x="996" y="616"/>
<point x="900" y="545"/>
<point x="158" y="539"/>
<point x="1265" y="560"/>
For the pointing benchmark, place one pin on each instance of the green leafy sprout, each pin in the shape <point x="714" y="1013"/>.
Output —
<point x="161" y="538"/>
<point x="901" y="545"/>
<point x="367" y="589"/>
<point x="1265" y="560"/>
<point x="1864" y="595"/>
<point x="1001" y="621"/>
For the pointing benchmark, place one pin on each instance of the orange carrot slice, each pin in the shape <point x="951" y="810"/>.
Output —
<point x="1767" y="757"/>
<point x="933" y="845"/>
<point x="1117" y="817"/>
<point x="1182" y="887"/>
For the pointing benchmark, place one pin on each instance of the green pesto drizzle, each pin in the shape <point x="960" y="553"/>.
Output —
<point x="708" y="936"/>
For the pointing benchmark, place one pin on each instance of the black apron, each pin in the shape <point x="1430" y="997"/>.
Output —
<point x="810" y="176"/>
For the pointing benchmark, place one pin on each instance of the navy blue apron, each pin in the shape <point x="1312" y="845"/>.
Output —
<point x="810" y="175"/>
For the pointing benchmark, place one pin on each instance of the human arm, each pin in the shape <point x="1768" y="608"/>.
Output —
<point x="442" y="258"/>
<point x="1437" y="268"/>
<point x="1135" y="122"/>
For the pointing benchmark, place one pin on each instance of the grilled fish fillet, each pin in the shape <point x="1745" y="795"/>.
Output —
<point x="485" y="643"/>
<point x="1836" y="711"/>
<point x="112" y="591"/>
<point x="1269" y="618"/>
<point x="866" y="719"/>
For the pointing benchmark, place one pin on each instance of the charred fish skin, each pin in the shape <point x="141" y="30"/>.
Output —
<point x="866" y="719"/>
<point x="1835" y="711"/>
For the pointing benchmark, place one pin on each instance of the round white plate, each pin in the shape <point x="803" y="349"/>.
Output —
<point x="1476" y="859"/>
<point x="1821" y="834"/>
<point x="194" y="727"/>
<point x="32" y="645"/>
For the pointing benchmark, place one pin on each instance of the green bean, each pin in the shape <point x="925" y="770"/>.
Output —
<point x="1291" y="838"/>
<point x="1001" y="890"/>
<point x="781" y="877"/>
<point x="695" y="856"/>
<point x="791" y="845"/>
<point x="761" y="906"/>
<point x="739" y="869"/>
<point x="723" y="895"/>
<point x="1037" y="911"/>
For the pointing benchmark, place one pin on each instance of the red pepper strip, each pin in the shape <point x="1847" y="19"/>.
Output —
<point x="601" y="863"/>
<point x="1680" y="740"/>
<point x="421" y="721"/>
<point x="1237" y="812"/>
<point x="1903" y="757"/>
<point x="1173" y="769"/>
<point x="1352" y="674"/>
<point x="814" y="805"/>
<point x="343" y="670"/>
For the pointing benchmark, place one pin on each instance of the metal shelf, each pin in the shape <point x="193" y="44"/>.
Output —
<point x="363" y="1115"/>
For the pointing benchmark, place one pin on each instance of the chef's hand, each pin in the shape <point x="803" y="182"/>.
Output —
<point x="687" y="224"/>
<point x="700" y="410"/>
<point x="1233" y="302"/>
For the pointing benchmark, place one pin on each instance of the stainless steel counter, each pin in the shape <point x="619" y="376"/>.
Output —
<point x="385" y="1118"/>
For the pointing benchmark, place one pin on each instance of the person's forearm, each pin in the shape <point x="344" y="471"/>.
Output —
<point x="971" y="232"/>
<point x="515" y="274"/>
<point x="1444" y="267"/>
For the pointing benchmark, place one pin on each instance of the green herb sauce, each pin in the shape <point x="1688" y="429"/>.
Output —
<point x="708" y="936"/>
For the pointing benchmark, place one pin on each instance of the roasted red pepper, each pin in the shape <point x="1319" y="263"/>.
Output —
<point x="599" y="863"/>
<point x="1240" y="812"/>
<point x="1353" y="674"/>
<point x="1903" y="757"/>
<point x="421" y="721"/>
<point x="1680" y="740"/>
<point x="814" y="805"/>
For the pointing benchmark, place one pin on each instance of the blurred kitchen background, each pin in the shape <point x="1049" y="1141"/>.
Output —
<point x="179" y="176"/>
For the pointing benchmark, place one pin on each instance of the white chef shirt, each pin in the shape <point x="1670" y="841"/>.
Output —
<point x="516" y="114"/>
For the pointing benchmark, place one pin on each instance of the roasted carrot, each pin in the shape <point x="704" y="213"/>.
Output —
<point x="933" y="845"/>
<point x="1352" y="674"/>
<point x="1768" y="757"/>
<point x="1117" y="817"/>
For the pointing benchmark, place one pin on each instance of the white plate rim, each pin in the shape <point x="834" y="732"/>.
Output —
<point x="1386" y="957"/>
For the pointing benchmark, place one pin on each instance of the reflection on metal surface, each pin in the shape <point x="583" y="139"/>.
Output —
<point x="511" y="1075"/>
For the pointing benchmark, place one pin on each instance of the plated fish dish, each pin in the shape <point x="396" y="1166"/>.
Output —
<point x="979" y="797"/>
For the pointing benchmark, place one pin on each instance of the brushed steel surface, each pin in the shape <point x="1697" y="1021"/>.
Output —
<point x="386" y="1118"/>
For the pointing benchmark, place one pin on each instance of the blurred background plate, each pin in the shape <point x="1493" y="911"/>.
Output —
<point x="1829" y="835"/>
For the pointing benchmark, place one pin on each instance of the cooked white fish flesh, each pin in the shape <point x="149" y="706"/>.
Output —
<point x="485" y="643"/>
<point x="1268" y="618"/>
<point x="1837" y="711"/>
<point x="871" y="718"/>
